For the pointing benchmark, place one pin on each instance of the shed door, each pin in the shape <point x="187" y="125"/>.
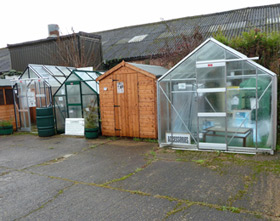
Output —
<point x="126" y="105"/>
<point x="211" y="91"/>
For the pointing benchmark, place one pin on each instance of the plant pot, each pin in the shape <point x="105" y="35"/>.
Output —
<point x="6" y="130"/>
<point x="91" y="133"/>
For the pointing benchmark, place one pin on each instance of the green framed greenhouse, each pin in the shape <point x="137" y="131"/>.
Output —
<point x="73" y="98"/>
<point x="218" y="99"/>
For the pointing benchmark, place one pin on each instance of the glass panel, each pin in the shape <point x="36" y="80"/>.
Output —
<point x="73" y="77"/>
<point x="54" y="70"/>
<point x="230" y="55"/>
<point x="184" y="111"/>
<point x="264" y="132"/>
<point x="93" y="75"/>
<point x="73" y="94"/>
<point x="164" y="110"/>
<point x="212" y="130"/>
<point x="42" y="72"/>
<point x="241" y="90"/>
<point x="61" y="113"/>
<point x="61" y="90"/>
<point x="210" y="51"/>
<point x="2" y="102"/>
<point x="32" y="74"/>
<point x="211" y="77"/>
<point x="86" y="89"/>
<point x="93" y="85"/>
<point x="60" y="79"/>
<point x="9" y="96"/>
<point x="64" y="70"/>
<point x="24" y="75"/>
<point x="211" y="102"/>
<point x="89" y="100"/>
<point x="23" y="105"/>
<point x="185" y="70"/>
<point x="83" y="75"/>
<point x="75" y="111"/>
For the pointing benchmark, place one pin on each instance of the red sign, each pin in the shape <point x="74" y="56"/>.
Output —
<point x="210" y="65"/>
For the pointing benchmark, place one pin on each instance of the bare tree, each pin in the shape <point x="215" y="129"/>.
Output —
<point x="178" y="46"/>
<point x="79" y="50"/>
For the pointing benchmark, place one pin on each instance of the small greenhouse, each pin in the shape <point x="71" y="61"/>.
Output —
<point x="35" y="88"/>
<point x="78" y="92"/>
<point x="218" y="99"/>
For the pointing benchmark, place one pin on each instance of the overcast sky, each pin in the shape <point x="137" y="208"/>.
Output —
<point x="26" y="20"/>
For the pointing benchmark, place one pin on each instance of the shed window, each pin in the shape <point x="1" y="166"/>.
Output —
<point x="9" y="96"/>
<point x="2" y="97"/>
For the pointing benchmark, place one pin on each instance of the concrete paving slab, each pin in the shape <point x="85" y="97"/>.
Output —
<point x="263" y="195"/>
<point x="196" y="212"/>
<point x="101" y="164"/>
<point x="184" y="180"/>
<point x="82" y="202"/>
<point x="26" y="150"/>
<point x="20" y="193"/>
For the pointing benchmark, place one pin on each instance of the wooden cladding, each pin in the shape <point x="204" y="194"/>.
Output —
<point x="7" y="111"/>
<point x="128" y="103"/>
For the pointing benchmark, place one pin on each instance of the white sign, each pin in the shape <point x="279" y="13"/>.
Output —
<point x="182" y="86"/>
<point x="178" y="138"/>
<point x="211" y="65"/>
<point x="254" y="105"/>
<point x="120" y="88"/>
<point x="74" y="126"/>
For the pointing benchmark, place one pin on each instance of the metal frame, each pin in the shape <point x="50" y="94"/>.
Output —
<point x="242" y="57"/>
<point x="75" y="72"/>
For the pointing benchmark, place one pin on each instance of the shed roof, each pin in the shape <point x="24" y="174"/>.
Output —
<point x="144" y="41"/>
<point x="6" y="82"/>
<point x="153" y="69"/>
<point x="148" y="70"/>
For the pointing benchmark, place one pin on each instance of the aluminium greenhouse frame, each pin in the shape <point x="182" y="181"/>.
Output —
<point x="74" y="97"/>
<point x="35" y="88"/>
<point x="218" y="99"/>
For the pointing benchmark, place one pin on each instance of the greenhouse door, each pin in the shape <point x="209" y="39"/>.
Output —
<point x="73" y="99"/>
<point x="23" y="105"/>
<point x="211" y="116"/>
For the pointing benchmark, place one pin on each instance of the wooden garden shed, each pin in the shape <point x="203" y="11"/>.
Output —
<point x="7" y="110"/>
<point x="128" y="100"/>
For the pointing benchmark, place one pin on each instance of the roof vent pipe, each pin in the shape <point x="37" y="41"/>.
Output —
<point x="53" y="30"/>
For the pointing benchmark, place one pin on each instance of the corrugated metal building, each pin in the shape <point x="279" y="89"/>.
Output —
<point x="5" y="61"/>
<point x="81" y="49"/>
<point x="147" y="41"/>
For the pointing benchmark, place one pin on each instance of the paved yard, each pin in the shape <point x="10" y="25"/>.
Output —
<point x="69" y="178"/>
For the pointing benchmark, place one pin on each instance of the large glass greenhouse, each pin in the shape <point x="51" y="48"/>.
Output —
<point x="35" y="88"/>
<point x="218" y="99"/>
<point x="78" y="92"/>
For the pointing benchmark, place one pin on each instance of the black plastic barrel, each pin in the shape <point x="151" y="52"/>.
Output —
<point x="45" y="121"/>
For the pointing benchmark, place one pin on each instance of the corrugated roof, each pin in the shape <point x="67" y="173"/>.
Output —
<point x="5" y="60"/>
<point x="6" y="82"/>
<point x="153" y="69"/>
<point x="117" y="44"/>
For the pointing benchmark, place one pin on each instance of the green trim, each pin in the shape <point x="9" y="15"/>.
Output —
<point x="72" y="82"/>
<point x="75" y="104"/>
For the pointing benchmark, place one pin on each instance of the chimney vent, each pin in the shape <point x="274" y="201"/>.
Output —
<point x="53" y="30"/>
